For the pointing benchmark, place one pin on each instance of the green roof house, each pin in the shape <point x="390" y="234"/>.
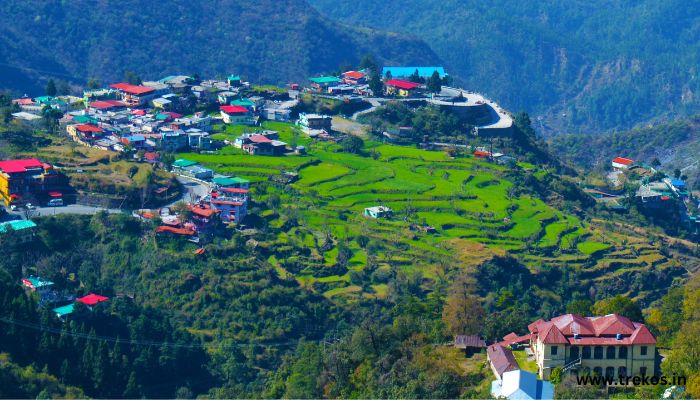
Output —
<point x="235" y="182"/>
<point x="323" y="82"/>
<point x="182" y="163"/>
<point x="61" y="312"/>
<point x="23" y="230"/>
<point x="234" y="80"/>
<point x="36" y="284"/>
<point x="84" y="119"/>
<point x="243" y="103"/>
<point x="45" y="99"/>
<point x="16" y="225"/>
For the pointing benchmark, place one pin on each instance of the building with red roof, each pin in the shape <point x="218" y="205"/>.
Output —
<point x="231" y="207"/>
<point x="92" y="299"/>
<point x="175" y="230"/>
<point x="106" y="105"/>
<point x="622" y="163"/>
<point x="84" y="133"/>
<point x="132" y="89"/>
<point x="482" y="154"/>
<point x="354" y="78"/>
<point x="609" y="345"/>
<point x="401" y="88"/>
<point x="135" y="95"/>
<point x="501" y="360"/>
<point x="24" y="179"/>
<point x="237" y="115"/>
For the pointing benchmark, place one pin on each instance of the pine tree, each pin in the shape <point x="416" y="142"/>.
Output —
<point x="133" y="390"/>
<point x="375" y="83"/>
<point x="65" y="372"/>
<point x="434" y="83"/>
<point x="415" y="77"/>
<point x="51" y="88"/>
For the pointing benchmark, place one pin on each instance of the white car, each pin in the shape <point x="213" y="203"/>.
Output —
<point x="29" y="206"/>
<point x="13" y="208"/>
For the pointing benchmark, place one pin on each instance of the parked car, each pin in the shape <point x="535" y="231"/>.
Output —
<point x="13" y="207"/>
<point x="29" y="206"/>
<point x="55" y="203"/>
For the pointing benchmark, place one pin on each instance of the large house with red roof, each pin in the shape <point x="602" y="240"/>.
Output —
<point x="355" y="77"/>
<point x="102" y="106"/>
<point x="237" y="115"/>
<point x="24" y="180"/>
<point x="401" y="88"/>
<point x="135" y="95"/>
<point x="85" y="133"/>
<point x="610" y="345"/>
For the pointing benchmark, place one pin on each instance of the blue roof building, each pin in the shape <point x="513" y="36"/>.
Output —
<point x="521" y="385"/>
<point x="424" y="72"/>
<point x="678" y="183"/>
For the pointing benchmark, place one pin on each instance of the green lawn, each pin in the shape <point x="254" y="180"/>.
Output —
<point x="523" y="362"/>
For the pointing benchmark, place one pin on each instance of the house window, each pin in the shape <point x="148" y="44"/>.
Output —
<point x="643" y="350"/>
<point x="598" y="371"/>
<point x="574" y="353"/>
<point x="610" y="372"/>
<point x="598" y="352"/>
<point x="610" y="352"/>
<point x="622" y="371"/>
<point x="554" y="350"/>
<point x="643" y="371"/>
<point x="586" y="353"/>
<point x="623" y="352"/>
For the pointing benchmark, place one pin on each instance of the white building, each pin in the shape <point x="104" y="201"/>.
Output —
<point x="521" y="385"/>
<point x="622" y="163"/>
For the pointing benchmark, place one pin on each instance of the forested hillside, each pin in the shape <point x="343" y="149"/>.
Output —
<point x="675" y="145"/>
<point x="580" y="65"/>
<point x="270" y="41"/>
<point x="316" y="300"/>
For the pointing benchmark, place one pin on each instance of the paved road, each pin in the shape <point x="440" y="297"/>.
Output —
<point x="69" y="209"/>
<point x="192" y="191"/>
<point x="371" y="100"/>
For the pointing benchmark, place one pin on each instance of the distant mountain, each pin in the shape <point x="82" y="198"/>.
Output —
<point x="676" y="145"/>
<point x="579" y="65"/>
<point x="274" y="41"/>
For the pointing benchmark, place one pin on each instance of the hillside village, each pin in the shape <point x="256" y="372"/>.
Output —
<point x="240" y="151"/>
<point x="654" y="192"/>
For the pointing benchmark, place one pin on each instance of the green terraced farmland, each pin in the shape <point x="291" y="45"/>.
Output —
<point x="467" y="200"/>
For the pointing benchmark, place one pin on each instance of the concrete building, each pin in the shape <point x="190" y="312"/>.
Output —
<point x="610" y="345"/>
<point x="237" y="115"/>
<point x="26" y="179"/>
<point x="309" y="122"/>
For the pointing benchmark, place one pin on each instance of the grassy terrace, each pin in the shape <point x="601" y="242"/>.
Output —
<point x="465" y="199"/>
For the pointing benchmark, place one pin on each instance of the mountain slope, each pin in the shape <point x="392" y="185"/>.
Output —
<point x="270" y="41"/>
<point x="580" y="65"/>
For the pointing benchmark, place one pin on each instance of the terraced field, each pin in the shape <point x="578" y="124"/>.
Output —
<point x="468" y="201"/>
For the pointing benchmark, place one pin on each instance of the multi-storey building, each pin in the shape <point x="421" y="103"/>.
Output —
<point x="22" y="180"/>
<point x="611" y="345"/>
<point x="135" y="95"/>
